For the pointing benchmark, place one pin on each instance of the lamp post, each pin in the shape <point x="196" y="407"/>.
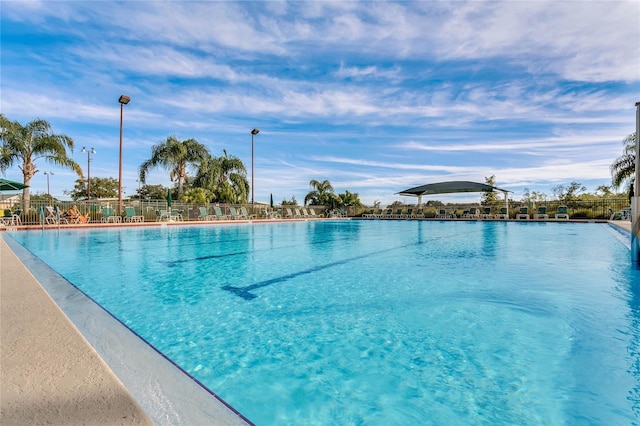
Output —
<point x="635" y="201"/>
<point x="89" y="152"/>
<point x="124" y="99"/>
<point x="253" y="133"/>
<point x="47" y="174"/>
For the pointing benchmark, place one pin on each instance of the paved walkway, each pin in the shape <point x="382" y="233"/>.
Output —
<point x="49" y="373"/>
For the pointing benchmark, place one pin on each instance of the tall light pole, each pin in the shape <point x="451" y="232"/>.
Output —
<point x="89" y="152"/>
<point x="124" y="99"/>
<point x="253" y="133"/>
<point x="48" y="191"/>
<point x="635" y="201"/>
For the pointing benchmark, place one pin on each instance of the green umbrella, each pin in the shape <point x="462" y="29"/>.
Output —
<point x="271" y="202"/>
<point x="9" y="185"/>
<point x="169" y="198"/>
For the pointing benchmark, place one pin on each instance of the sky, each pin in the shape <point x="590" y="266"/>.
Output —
<point x="375" y="97"/>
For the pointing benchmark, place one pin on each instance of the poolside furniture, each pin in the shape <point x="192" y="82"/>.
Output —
<point x="523" y="214"/>
<point x="109" y="216"/>
<point x="312" y="213"/>
<point x="472" y="213"/>
<point x="486" y="213"/>
<point x="176" y="215"/>
<point x="419" y="213"/>
<point x="234" y="214"/>
<point x="130" y="215"/>
<point x="504" y="213"/>
<point x="562" y="212"/>
<point x="162" y="215"/>
<point x="11" y="219"/>
<point x="219" y="214"/>
<point x="245" y="213"/>
<point x="442" y="214"/>
<point x="53" y="216"/>
<point x="542" y="213"/>
<point x="368" y="215"/>
<point x="204" y="214"/>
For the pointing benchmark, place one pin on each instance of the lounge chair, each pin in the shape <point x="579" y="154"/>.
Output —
<point x="399" y="214"/>
<point x="312" y="213"/>
<point x="419" y="214"/>
<point x="472" y="213"/>
<point x="288" y="214"/>
<point x="204" y="214"/>
<point x="219" y="215"/>
<point x="11" y="219"/>
<point x="233" y="213"/>
<point x="562" y="212"/>
<point x="504" y="213"/>
<point x="109" y="216"/>
<point x="542" y="213"/>
<point x="388" y="214"/>
<point x="176" y="215"/>
<point x="245" y="213"/>
<point x="486" y="213"/>
<point x="524" y="213"/>
<point x="53" y="216"/>
<point x="130" y="215"/>
<point x="369" y="215"/>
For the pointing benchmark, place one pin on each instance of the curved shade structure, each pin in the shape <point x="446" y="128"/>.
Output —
<point x="9" y="185"/>
<point x="453" y="187"/>
<point x="450" y="187"/>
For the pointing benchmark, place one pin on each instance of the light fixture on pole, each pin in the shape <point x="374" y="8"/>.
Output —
<point x="253" y="133"/>
<point x="89" y="152"/>
<point x="124" y="99"/>
<point x="47" y="174"/>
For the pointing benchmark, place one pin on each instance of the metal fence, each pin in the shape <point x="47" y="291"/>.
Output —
<point x="151" y="210"/>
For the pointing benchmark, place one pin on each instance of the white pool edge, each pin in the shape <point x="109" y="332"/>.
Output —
<point x="165" y="393"/>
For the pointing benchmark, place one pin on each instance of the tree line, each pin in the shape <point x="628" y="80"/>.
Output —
<point x="213" y="179"/>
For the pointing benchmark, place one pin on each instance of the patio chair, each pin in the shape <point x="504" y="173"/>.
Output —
<point x="472" y="213"/>
<point x="504" y="213"/>
<point x="53" y="216"/>
<point x="245" y="213"/>
<point x="233" y="213"/>
<point x="542" y="213"/>
<point x="204" y="214"/>
<point x="442" y="214"/>
<point x="419" y="214"/>
<point x="219" y="215"/>
<point x="312" y="213"/>
<point x="524" y="213"/>
<point x="109" y="216"/>
<point x="176" y="215"/>
<point x="562" y="212"/>
<point x="130" y="215"/>
<point x="486" y="213"/>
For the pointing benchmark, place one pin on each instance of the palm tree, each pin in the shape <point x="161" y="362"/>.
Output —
<point x="624" y="167"/>
<point x="321" y="193"/>
<point x="26" y="144"/>
<point x="226" y="177"/>
<point x="175" y="155"/>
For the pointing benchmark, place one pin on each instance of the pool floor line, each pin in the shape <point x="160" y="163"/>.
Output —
<point x="164" y="392"/>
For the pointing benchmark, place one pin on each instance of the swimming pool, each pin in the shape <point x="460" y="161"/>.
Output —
<point x="378" y="322"/>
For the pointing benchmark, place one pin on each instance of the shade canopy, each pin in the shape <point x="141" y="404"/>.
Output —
<point x="9" y="185"/>
<point x="450" y="188"/>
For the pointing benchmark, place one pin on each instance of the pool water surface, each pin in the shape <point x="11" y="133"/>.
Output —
<point x="378" y="322"/>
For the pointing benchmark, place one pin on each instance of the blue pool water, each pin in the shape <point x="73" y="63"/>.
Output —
<point x="378" y="322"/>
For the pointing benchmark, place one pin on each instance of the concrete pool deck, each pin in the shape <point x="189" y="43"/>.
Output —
<point x="51" y="374"/>
<point x="64" y="360"/>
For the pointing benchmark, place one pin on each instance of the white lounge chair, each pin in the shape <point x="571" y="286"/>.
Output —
<point x="562" y="212"/>
<point x="524" y="214"/>
<point x="542" y="213"/>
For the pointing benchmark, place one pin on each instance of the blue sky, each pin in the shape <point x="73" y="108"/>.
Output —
<point x="374" y="96"/>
